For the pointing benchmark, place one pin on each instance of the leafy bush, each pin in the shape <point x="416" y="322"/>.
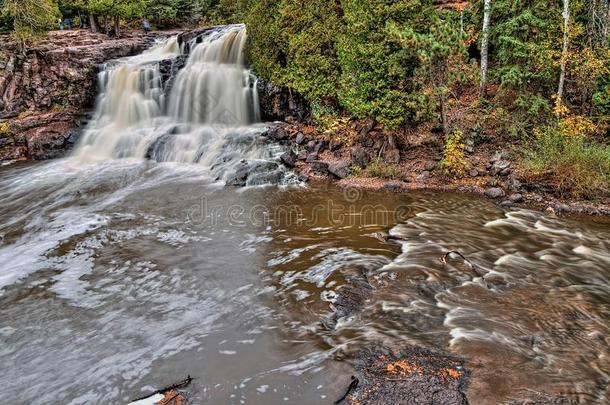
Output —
<point x="570" y="163"/>
<point x="4" y="128"/>
<point x="383" y="170"/>
<point x="454" y="163"/>
<point x="601" y="98"/>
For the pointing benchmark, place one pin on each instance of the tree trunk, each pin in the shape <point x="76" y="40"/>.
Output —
<point x="485" y="47"/>
<point x="564" y="53"/>
<point x="116" y="26"/>
<point x="441" y="99"/>
<point x="94" y="24"/>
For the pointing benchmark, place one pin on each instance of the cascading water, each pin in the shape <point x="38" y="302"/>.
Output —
<point x="215" y="87"/>
<point x="208" y="117"/>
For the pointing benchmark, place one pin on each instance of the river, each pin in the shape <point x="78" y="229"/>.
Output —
<point x="123" y="270"/>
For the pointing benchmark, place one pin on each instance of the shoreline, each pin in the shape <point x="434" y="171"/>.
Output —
<point x="314" y="157"/>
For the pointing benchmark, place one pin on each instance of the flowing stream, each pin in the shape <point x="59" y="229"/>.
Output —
<point x="129" y="265"/>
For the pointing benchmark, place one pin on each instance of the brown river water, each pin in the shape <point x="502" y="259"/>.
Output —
<point x="121" y="277"/>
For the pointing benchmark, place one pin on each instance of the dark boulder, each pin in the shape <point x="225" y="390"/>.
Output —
<point x="277" y="133"/>
<point x="340" y="169"/>
<point x="319" y="166"/>
<point x="247" y="173"/>
<point x="360" y="157"/>
<point x="289" y="159"/>
<point x="279" y="103"/>
<point x="494" y="193"/>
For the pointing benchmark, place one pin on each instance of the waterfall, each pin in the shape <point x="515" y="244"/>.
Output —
<point x="215" y="87"/>
<point x="130" y="99"/>
<point x="208" y="118"/>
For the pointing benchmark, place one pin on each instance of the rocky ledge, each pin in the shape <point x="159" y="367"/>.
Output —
<point x="46" y="93"/>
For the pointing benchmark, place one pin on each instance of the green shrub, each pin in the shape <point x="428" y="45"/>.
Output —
<point x="383" y="170"/>
<point x="454" y="162"/>
<point x="601" y="98"/>
<point x="570" y="164"/>
<point x="355" y="171"/>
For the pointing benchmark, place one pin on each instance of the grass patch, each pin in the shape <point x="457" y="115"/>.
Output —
<point x="571" y="165"/>
<point x="383" y="170"/>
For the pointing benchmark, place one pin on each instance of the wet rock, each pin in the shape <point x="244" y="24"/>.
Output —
<point x="360" y="157"/>
<point x="159" y="146"/>
<point x="340" y="169"/>
<point x="300" y="138"/>
<point x="169" y="69"/>
<point x="302" y="155"/>
<point x="277" y="133"/>
<point x="506" y="204"/>
<point x="319" y="166"/>
<point x="351" y="299"/>
<point x="494" y="193"/>
<point x="289" y="159"/>
<point x="409" y="376"/>
<point x="260" y="179"/>
<point x="304" y="177"/>
<point x="515" y="198"/>
<point x="246" y="171"/>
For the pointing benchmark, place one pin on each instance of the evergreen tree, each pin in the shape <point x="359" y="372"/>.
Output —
<point x="30" y="18"/>
<point x="377" y="69"/>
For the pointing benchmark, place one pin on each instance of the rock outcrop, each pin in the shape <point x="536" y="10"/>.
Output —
<point x="46" y="93"/>
<point x="281" y="104"/>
